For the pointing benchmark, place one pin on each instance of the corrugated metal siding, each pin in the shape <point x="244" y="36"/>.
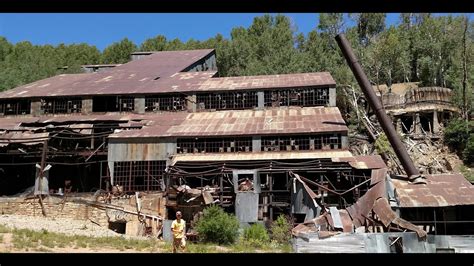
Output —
<point x="140" y="151"/>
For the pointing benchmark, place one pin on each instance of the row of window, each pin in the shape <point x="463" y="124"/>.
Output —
<point x="232" y="100"/>
<point x="139" y="175"/>
<point x="268" y="143"/>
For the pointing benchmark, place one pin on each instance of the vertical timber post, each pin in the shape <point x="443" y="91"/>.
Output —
<point x="41" y="173"/>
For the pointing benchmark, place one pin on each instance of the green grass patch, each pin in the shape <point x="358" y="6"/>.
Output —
<point x="29" y="239"/>
<point x="467" y="172"/>
<point x="4" y="229"/>
<point x="44" y="241"/>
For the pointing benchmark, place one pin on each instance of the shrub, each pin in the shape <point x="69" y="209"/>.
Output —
<point x="281" y="230"/>
<point x="383" y="146"/>
<point x="256" y="235"/>
<point x="456" y="133"/>
<point x="218" y="226"/>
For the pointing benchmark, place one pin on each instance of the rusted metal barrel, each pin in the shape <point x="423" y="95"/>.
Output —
<point x="386" y="123"/>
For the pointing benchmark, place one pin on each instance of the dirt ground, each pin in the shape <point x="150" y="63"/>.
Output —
<point x="62" y="229"/>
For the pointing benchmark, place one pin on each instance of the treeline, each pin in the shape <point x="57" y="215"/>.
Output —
<point x="434" y="50"/>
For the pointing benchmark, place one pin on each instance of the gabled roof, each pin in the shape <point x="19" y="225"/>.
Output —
<point x="140" y="76"/>
<point x="160" y="72"/>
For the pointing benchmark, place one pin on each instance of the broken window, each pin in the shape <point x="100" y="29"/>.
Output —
<point x="227" y="100"/>
<point x="201" y="145"/>
<point x="296" y="143"/>
<point x="61" y="105"/>
<point x="157" y="103"/>
<point x="15" y="107"/>
<point x="297" y="97"/>
<point x="113" y="104"/>
<point x="139" y="175"/>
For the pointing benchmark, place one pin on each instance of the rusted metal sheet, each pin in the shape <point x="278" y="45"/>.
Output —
<point x="384" y="212"/>
<point x="285" y="155"/>
<point x="247" y="122"/>
<point x="363" y="206"/>
<point x="242" y="122"/>
<point x="387" y="217"/>
<point x="156" y="150"/>
<point x="346" y="221"/>
<point x="308" y="190"/>
<point x="85" y="129"/>
<point x="358" y="214"/>
<point x="269" y="81"/>
<point x="363" y="161"/>
<point x="53" y="86"/>
<point x="181" y="82"/>
<point x="25" y="138"/>
<point x="439" y="191"/>
<point x="377" y="175"/>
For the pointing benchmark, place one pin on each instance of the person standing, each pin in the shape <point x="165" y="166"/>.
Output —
<point x="178" y="228"/>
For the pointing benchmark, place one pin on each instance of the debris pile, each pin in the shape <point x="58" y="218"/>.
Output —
<point x="371" y="210"/>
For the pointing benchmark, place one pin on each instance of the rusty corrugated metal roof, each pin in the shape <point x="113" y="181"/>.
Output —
<point x="269" y="81"/>
<point x="252" y="156"/>
<point x="63" y="84"/>
<point x="439" y="191"/>
<point x="160" y="72"/>
<point x="294" y="120"/>
<point x="15" y="122"/>
<point x="140" y="76"/>
<point x="25" y="138"/>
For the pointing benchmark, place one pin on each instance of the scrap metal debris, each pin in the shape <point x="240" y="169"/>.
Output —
<point x="372" y="209"/>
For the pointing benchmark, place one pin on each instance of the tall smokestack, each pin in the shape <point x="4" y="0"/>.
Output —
<point x="387" y="126"/>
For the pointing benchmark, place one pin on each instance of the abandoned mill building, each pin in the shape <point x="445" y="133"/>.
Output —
<point x="127" y="145"/>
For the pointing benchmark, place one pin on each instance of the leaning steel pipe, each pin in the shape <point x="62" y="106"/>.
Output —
<point x="376" y="105"/>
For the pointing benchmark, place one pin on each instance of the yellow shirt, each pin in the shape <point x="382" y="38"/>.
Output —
<point x="178" y="228"/>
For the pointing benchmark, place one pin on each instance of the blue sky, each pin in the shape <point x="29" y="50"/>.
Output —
<point x="102" y="30"/>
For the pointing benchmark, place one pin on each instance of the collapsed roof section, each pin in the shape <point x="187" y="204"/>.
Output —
<point x="370" y="209"/>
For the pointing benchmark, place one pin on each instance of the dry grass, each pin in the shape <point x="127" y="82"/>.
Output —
<point x="25" y="240"/>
